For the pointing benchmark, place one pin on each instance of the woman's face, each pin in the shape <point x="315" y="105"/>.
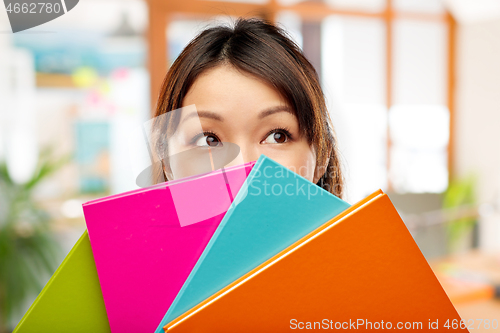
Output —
<point x="236" y="107"/>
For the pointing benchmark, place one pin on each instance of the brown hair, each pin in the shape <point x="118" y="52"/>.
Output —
<point x="265" y="51"/>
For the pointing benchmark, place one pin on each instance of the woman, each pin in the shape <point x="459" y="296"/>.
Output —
<point x="253" y="87"/>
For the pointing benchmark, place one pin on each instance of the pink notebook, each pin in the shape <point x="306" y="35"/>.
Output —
<point x="146" y="242"/>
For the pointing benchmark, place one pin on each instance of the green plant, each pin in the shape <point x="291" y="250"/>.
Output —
<point x="28" y="250"/>
<point x="460" y="196"/>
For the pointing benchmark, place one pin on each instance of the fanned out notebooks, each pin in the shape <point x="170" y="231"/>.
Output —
<point x="146" y="242"/>
<point x="361" y="267"/>
<point x="72" y="300"/>
<point x="274" y="208"/>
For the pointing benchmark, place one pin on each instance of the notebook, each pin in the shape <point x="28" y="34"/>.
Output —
<point x="275" y="208"/>
<point x="72" y="300"/>
<point x="145" y="242"/>
<point x="361" y="270"/>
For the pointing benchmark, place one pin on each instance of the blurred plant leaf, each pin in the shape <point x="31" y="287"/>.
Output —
<point x="28" y="251"/>
<point x="460" y="192"/>
<point x="47" y="166"/>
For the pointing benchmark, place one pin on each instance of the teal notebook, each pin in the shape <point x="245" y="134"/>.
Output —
<point x="274" y="208"/>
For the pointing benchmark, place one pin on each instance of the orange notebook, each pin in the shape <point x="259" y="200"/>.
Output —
<point x="361" y="270"/>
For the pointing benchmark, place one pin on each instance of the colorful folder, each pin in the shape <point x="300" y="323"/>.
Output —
<point x="72" y="299"/>
<point x="274" y="208"/>
<point x="361" y="267"/>
<point x="146" y="242"/>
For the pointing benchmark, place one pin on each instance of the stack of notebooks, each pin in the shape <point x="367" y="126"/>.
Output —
<point x="251" y="248"/>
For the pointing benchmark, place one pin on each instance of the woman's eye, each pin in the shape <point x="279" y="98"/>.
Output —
<point x="208" y="140"/>
<point x="276" y="137"/>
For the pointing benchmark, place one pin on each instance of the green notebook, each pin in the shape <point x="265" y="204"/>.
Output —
<point x="72" y="299"/>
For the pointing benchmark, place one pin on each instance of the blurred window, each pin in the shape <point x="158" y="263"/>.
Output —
<point x="419" y="135"/>
<point x="354" y="80"/>
<point x="401" y="144"/>
<point x="419" y="62"/>
<point x="363" y="5"/>
<point x="419" y="6"/>
<point x="244" y="1"/>
<point x="419" y="117"/>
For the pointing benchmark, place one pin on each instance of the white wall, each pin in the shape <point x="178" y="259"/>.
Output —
<point x="477" y="125"/>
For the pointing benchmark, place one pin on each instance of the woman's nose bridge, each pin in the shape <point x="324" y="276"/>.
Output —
<point x="248" y="152"/>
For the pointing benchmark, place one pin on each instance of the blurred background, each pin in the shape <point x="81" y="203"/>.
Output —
<point x="413" y="88"/>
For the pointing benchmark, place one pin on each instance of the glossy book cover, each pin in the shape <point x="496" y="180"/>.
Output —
<point x="71" y="301"/>
<point x="145" y="242"/>
<point x="275" y="208"/>
<point x="362" y="268"/>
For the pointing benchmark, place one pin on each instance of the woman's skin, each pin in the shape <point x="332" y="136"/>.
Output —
<point x="234" y="106"/>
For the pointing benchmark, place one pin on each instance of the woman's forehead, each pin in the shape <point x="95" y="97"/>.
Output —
<point x="226" y="89"/>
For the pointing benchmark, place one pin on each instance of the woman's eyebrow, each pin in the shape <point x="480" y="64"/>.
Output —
<point x="275" y="109"/>
<point x="210" y="114"/>
<point x="204" y="114"/>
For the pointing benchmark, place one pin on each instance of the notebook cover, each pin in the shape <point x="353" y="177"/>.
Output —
<point x="275" y="208"/>
<point x="363" y="266"/>
<point x="145" y="242"/>
<point x="72" y="300"/>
